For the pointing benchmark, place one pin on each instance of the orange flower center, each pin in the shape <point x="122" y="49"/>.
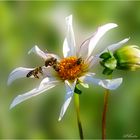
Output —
<point x="70" y="68"/>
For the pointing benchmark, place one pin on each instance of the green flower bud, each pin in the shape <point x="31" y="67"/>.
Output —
<point x="128" y="57"/>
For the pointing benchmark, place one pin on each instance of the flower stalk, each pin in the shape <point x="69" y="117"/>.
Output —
<point x="104" y="114"/>
<point x="77" y="107"/>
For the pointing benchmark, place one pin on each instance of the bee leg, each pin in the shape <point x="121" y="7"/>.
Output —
<point x="40" y="70"/>
<point x="36" y="76"/>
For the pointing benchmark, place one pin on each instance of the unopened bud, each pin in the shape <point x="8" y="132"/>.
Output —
<point x="128" y="57"/>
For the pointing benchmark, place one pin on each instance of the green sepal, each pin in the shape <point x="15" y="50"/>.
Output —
<point x="105" y="55"/>
<point x="111" y="63"/>
<point x="102" y="63"/>
<point x="77" y="90"/>
<point x="107" y="71"/>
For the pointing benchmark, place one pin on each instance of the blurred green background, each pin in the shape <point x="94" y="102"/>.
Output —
<point x="25" y="24"/>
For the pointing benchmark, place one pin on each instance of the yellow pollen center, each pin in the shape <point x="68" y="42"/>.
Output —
<point x="70" y="68"/>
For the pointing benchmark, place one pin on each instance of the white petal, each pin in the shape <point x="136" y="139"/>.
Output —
<point x="117" y="45"/>
<point x="97" y="36"/>
<point x="69" y="42"/>
<point x="83" y="49"/>
<point x="69" y="93"/>
<point x="90" y="74"/>
<point x="46" y="84"/>
<point x="95" y="60"/>
<point x="38" y="52"/>
<point x="84" y="85"/>
<point x="90" y="61"/>
<point x="48" y="72"/>
<point x="18" y="73"/>
<point x="111" y="84"/>
<point x="43" y="55"/>
<point x="66" y="49"/>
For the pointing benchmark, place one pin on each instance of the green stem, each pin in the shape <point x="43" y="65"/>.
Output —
<point x="77" y="106"/>
<point x="104" y="114"/>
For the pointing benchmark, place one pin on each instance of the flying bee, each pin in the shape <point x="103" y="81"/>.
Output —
<point x="35" y="72"/>
<point x="52" y="62"/>
<point x="79" y="61"/>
